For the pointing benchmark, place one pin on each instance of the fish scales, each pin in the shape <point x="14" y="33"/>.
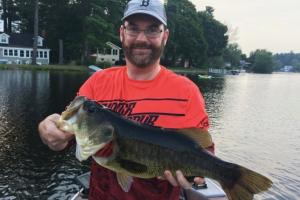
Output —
<point x="161" y="158"/>
<point x="164" y="153"/>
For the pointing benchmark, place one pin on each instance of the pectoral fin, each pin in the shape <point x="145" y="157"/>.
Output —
<point x="124" y="181"/>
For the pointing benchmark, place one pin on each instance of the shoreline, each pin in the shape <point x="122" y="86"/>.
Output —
<point x="82" y="68"/>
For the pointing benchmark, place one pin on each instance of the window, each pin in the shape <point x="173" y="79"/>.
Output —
<point x="5" y="53"/>
<point x="40" y="54"/>
<point x="31" y="53"/>
<point x="10" y="52"/>
<point x="4" y="39"/>
<point x="22" y="53"/>
<point x="16" y="52"/>
<point x="115" y="52"/>
<point x="40" y="41"/>
<point x="27" y="54"/>
<point x="45" y="54"/>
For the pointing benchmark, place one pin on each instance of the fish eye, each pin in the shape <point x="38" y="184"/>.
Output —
<point x="107" y="129"/>
<point x="90" y="108"/>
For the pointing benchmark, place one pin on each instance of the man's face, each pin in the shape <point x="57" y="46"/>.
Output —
<point x="143" y="40"/>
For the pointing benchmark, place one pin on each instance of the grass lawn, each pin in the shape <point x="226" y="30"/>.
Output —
<point x="189" y="70"/>
<point x="46" y="67"/>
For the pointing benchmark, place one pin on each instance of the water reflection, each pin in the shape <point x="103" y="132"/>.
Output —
<point x="258" y="128"/>
<point x="213" y="93"/>
<point x="28" y="170"/>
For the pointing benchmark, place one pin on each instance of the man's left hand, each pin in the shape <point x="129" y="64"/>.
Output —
<point x="180" y="180"/>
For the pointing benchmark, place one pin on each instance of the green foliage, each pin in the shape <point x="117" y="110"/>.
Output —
<point x="86" y="25"/>
<point x="262" y="61"/>
<point x="82" y="25"/>
<point x="186" y="42"/>
<point x="232" y="55"/>
<point x="215" y="62"/>
<point x="214" y="33"/>
<point x="9" y="14"/>
<point x="287" y="59"/>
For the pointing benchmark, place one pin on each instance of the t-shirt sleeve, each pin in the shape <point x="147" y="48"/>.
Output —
<point x="87" y="88"/>
<point x="196" y="115"/>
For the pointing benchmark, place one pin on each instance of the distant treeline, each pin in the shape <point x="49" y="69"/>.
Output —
<point x="263" y="61"/>
<point x="287" y="59"/>
<point x="196" y="37"/>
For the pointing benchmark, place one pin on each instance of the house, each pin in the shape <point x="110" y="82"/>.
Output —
<point x="217" y="71"/>
<point x="287" y="68"/>
<point x="111" y="55"/>
<point x="16" y="48"/>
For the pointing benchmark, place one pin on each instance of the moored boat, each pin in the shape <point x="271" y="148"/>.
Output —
<point x="201" y="76"/>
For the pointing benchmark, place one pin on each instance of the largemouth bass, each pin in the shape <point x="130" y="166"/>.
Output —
<point x="146" y="152"/>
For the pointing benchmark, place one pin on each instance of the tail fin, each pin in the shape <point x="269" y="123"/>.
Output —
<point x="248" y="184"/>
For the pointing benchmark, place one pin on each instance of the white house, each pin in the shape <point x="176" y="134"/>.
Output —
<point x="111" y="56"/>
<point x="16" y="48"/>
<point x="287" y="68"/>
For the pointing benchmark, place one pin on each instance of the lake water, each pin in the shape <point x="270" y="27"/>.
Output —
<point x="254" y="122"/>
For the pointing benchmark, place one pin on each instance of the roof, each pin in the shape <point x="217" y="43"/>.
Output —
<point x="21" y="40"/>
<point x="113" y="46"/>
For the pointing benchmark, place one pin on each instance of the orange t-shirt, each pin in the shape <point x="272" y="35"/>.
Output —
<point x="169" y="101"/>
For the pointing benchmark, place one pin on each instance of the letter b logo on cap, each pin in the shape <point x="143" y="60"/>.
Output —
<point x="145" y="3"/>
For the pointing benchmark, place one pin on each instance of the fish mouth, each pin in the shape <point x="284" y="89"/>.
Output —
<point x="68" y="117"/>
<point x="74" y="106"/>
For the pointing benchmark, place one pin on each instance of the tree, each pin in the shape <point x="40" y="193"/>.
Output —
<point x="100" y="24"/>
<point x="214" y="33"/>
<point x="186" y="43"/>
<point x="232" y="55"/>
<point x="215" y="37"/>
<point x="83" y="26"/>
<point x="9" y="14"/>
<point x="287" y="59"/>
<point x="262" y="61"/>
<point x="35" y="32"/>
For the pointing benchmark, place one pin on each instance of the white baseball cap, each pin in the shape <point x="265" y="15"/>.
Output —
<point x="154" y="8"/>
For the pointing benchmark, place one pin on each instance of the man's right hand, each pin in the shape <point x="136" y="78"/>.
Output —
<point x="53" y="137"/>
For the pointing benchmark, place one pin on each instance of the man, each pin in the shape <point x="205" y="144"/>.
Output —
<point x="143" y="91"/>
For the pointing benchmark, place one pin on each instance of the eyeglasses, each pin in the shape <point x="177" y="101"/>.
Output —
<point x="151" y="32"/>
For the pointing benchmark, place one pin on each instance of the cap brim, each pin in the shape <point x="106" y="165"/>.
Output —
<point x="146" y="13"/>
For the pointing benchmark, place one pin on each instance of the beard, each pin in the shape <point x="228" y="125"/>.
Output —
<point x="149" y="53"/>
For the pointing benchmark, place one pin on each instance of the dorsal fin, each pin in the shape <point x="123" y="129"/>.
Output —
<point x="201" y="136"/>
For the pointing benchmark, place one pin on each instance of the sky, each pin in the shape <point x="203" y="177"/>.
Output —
<point x="273" y="25"/>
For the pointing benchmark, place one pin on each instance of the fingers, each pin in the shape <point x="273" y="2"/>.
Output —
<point x="179" y="180"/>
<point x="169" y="177"/>
<point x="54" y="117"/>
<point x="53" y="137"/>
<point x="199" y="180"/>
<point x="182" y="180"/>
